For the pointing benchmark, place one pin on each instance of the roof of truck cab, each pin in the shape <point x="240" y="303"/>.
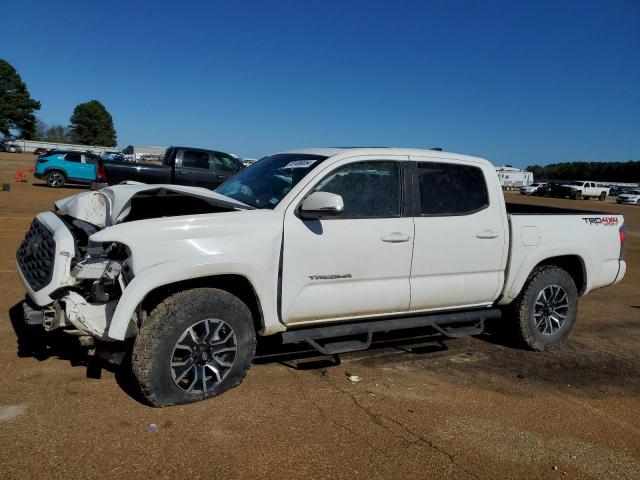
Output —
<point x="356" y="151"/>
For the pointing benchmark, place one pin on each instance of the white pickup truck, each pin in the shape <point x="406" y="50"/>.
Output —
<point x="579" y="190"/>
<point x="323" y="246"/>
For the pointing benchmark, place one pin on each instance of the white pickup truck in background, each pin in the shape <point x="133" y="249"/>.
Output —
<point x="579" y="190"/>
<point x="323" y="246"/>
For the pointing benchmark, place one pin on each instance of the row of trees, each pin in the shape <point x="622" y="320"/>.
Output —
<point x="90" y="123"/>
<point x="627" y="172"/>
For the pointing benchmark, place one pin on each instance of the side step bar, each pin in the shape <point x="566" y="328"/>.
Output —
<point x="443" y="323"/>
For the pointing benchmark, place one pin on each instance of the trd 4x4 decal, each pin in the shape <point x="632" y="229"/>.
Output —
<point x="607" y="221"/>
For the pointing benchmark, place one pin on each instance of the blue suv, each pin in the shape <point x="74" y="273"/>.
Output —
<point x="59" y="167"/>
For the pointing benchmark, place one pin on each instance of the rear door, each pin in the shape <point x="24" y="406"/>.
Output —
<point x="460" y="247"/>
<point x="193" y="168"/>
<point x="356" y="264"/>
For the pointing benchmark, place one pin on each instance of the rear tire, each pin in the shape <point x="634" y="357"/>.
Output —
<point x="195" y="345"/>
<point x="602" y="197"/>
<point x="578" y="196"/>
<point x="55" y="179"/>
<point x="546" y="309"/>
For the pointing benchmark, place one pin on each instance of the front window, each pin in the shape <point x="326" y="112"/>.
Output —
<point x="368" y="189"/>
<point x="266" y="182"/>
<point x="226" y="163"/>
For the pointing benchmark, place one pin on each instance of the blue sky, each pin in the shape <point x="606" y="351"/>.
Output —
<point x="514" y="82"/>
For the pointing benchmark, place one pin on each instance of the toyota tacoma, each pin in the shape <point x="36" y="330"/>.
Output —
<point x="319" y="246"/>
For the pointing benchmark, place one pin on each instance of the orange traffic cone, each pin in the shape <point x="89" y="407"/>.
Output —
<point x="20" y="176"/>
<point x="32" y="168"/>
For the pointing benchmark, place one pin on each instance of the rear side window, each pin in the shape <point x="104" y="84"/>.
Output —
<point x="451" y="189"/>
<point x="169" y="156"/>
<point x="368" y="189"/>
<point x="195" y="159"/>
<point x="73" y="157"/>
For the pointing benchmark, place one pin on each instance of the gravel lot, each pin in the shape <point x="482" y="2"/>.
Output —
<point x="425" y="407"/>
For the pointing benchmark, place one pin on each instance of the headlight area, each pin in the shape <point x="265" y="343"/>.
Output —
<point x="103" y="273"/>
<point x="99" y="277"/>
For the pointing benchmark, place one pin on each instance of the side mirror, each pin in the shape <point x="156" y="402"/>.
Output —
<point x="320" y="205"/>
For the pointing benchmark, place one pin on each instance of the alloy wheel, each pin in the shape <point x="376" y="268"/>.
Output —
<point x="55" y="179"/>
<point x="551" y="309"/>
<point x="203" y="355"/>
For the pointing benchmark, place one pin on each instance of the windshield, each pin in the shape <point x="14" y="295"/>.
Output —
<point x="266" y="182"/>
<point x="579" y="184"/>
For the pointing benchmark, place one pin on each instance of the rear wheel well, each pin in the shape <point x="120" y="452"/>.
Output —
<point x="236" y="285"/>
<point x="574" y="266"/>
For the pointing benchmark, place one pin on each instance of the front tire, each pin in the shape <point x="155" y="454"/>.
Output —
<point x="55" y="179"/>
<point x="195" y="345"/>
<point x="546" y="309"/>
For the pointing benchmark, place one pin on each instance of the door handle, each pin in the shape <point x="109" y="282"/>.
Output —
<point x="487" y="234"/>
<point x="220" y="176"/>
<point x="396" y="237"/>
<point x="182" y="173"/>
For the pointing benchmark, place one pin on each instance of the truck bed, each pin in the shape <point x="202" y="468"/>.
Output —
<point x="538" y="233"/>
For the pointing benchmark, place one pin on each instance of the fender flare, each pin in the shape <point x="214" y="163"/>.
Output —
<point x="168" y="273"/>
<point x="538" y="256"/>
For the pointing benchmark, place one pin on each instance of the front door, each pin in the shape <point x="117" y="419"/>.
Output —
<point x="356" y="264"/>
<point x="225" y="167"/>
<point x="460" y="248"/>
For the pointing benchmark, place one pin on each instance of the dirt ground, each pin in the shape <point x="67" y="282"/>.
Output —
<point x="426" y="407"/>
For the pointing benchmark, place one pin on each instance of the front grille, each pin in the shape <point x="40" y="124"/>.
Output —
<point x="36" y="255"/>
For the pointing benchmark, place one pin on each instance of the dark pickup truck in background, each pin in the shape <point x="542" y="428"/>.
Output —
<point x="181" y="166"/>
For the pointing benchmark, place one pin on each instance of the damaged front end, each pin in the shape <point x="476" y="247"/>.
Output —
<point x="71" y="282"/>
<point x="75" y="283"/>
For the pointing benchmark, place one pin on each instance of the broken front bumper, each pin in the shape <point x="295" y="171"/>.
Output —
<point x="50" y="317"/>
<point x="71" y="311"/>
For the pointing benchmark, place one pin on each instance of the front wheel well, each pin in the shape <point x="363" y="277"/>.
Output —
<point x="236" y="285"/>
<point x="573" y="265"/>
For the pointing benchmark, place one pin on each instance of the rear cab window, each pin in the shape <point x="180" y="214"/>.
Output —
<point x="447" y="189"/>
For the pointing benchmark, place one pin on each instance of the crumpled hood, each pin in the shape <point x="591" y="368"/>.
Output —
<point x="111" y="205"/>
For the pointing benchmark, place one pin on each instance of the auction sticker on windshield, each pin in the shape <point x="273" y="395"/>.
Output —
<point x="300" y="164"/>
